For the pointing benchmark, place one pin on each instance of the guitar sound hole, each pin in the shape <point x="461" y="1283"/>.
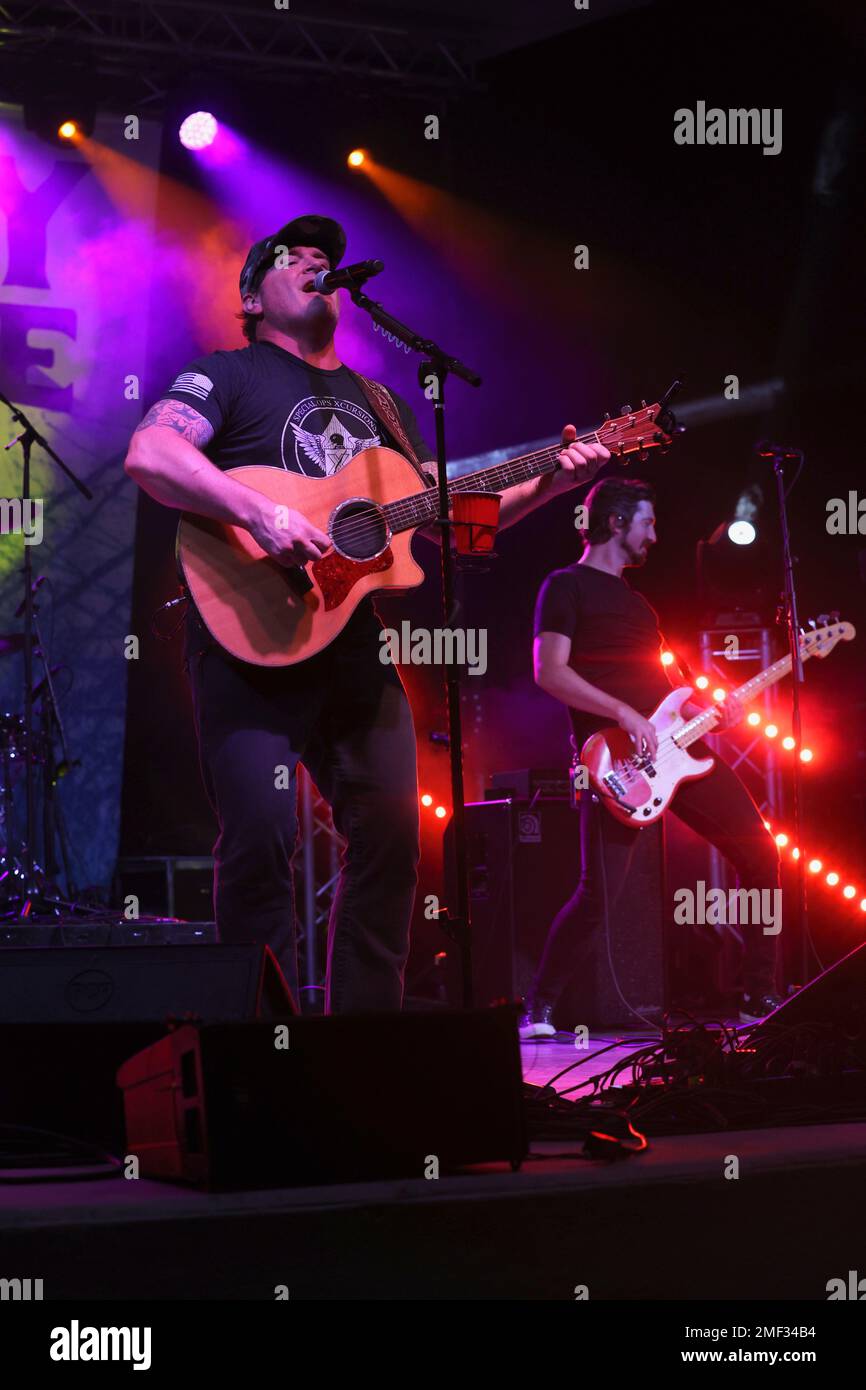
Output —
<point x="359" y="529"/>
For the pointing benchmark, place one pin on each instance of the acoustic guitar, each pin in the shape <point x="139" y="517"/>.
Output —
<point x="271" y="614"/>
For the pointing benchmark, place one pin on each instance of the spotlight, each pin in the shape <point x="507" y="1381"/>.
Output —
<point x="806" y="755"/>
<point x="741" y="532"/>
<point x="356" y="159"/>
<point x="795" y="853"/>
<point x="667" y="658"/>
<point x="198" y="131"/>
<point x="815" y="866"/>
<point x="771" y="731"/>
<point x="64" y="117"/>
<point x="863" y="904"/>
<point x="441" y="812"/>
<point x="849" y="891"/>
<point x="788" y="742"/>
<point x="753" y="719"/>
<point x="832" y="879"/>
<point x="426" y="799"/>
<point x="702" y="682"/>
<point x="781" y="839"/>
<point x="718" y="693"/>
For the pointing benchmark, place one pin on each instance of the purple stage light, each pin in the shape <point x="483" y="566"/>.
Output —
<point x="198" y="131"/>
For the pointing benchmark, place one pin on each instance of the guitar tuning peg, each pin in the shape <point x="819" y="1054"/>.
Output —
<point x="812" y="622"/>
<point x="625" y="410"/>
<point x="823" y="619"/>
<point x="607" y="415"/>
<point x="643" y="405"/>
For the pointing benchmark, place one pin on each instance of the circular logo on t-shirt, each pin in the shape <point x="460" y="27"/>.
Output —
<point x="322" y="434"/>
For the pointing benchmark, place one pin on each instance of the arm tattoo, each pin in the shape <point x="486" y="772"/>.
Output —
<point x="172" y="415"/>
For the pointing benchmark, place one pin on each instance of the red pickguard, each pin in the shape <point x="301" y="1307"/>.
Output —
<point x="336" y="576"/>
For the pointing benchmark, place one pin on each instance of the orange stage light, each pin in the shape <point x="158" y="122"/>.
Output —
<point x="67" y="129"/>
<point x="356" y="159"/>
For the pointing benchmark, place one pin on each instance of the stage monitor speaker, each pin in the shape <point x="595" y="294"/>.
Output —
<point x="137" y="983"/>
<point x="836" y="997"/>
<point x="319" y="1100"/>
<point x="524" y="864"/>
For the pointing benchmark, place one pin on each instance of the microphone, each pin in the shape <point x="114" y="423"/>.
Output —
<point x="350" y="277"/>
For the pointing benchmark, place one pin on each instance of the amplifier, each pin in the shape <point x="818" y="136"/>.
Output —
<point x="529" y="783"/>
<point x="138" y="983"/>
<point x="524" y="864"/>
<point x="320" y="1100"/>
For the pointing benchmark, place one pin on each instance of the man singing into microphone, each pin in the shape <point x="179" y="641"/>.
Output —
<point x="287" y="401"/>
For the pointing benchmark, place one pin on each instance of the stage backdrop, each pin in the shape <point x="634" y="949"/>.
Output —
<point x="74" y="276"/>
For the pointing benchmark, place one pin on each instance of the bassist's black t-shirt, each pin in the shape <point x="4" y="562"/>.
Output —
<point x="615" y="639"/>
<point x="269" y="407"/>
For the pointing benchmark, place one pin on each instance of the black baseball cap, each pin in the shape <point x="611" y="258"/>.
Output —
<point x="310" y="230"/>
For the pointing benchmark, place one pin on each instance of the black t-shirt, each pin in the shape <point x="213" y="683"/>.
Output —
<point x="615" y="639"/>
<point x="271" y="408"/>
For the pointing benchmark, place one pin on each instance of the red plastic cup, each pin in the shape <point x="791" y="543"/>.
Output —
<point x="476" y="519"/>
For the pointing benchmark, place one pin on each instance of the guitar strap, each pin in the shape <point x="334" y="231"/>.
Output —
<point x="382" y="404"/>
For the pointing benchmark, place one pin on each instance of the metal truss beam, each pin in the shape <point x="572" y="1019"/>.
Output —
<point x="168" y="37"/>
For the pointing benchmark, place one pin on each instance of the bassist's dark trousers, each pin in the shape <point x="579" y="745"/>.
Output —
<point x="717" y="807"/>
<point x="345" y="716"/>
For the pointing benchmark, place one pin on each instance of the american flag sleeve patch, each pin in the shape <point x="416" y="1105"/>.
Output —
<point x="193" y="384"/>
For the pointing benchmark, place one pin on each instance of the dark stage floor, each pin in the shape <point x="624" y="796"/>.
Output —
<point x="666" y="1224"/>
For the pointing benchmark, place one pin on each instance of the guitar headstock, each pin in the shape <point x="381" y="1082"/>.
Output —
<point x="819" y="641"/>
<point x="637" y="431"/>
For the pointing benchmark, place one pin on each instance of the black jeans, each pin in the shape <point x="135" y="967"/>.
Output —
<point x="345" y="716"/>
<point x="717" y="807"/>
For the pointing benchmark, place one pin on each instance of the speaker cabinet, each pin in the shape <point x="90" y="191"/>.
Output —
<point x="524" y="863"/>
<point x="317" y="1100"/>
<point x="137" y="983"/>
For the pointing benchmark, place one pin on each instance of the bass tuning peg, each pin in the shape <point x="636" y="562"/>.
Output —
<point x="607" y="415"/>
<point x="625" y="410"/>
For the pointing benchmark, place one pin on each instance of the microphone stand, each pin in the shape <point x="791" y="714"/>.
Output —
<point x="29" y="436"/>
<point x="789" y="614"/>
<point x="433" y="371"/>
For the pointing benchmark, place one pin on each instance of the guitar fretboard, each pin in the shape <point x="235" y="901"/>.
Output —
<point x="409" y="512"/>
<point x="705" y="722"/>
